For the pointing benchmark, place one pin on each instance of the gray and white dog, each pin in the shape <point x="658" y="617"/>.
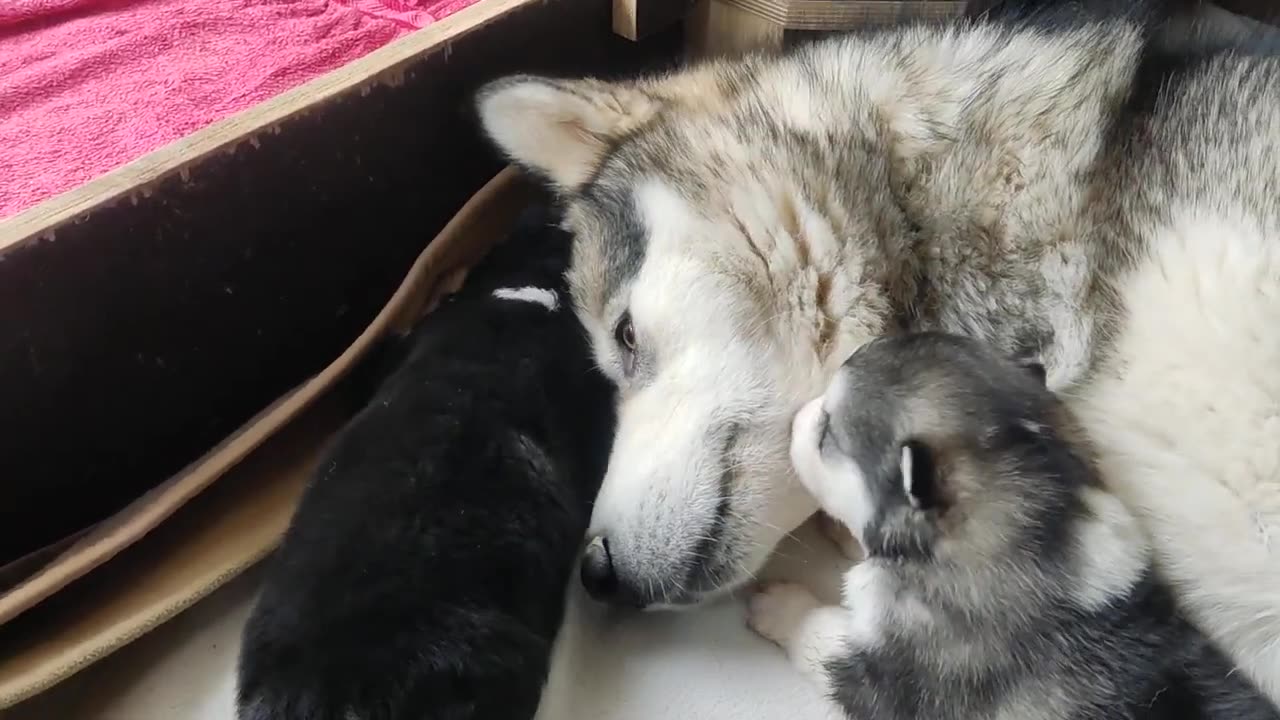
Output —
<point x="1002" y="578"/>
<point x="1085" y="190"/>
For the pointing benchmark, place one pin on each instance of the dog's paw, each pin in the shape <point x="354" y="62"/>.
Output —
<point x="837" y="533"/>
<point x="778" y="610"/>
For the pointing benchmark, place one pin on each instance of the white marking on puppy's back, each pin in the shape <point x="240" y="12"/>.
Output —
<point x="1111" y="551"/>
<point x="549" y="299"/>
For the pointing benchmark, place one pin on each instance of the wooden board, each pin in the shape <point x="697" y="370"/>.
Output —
<point x="728" y="27"/>
<point x="833" y="15"/>
<point x="638" y="19"/>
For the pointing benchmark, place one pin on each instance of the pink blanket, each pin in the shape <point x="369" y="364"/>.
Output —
<point x="89" y="85"/>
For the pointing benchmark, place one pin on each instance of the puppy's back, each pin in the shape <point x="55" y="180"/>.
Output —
<point x="424" y="571"/>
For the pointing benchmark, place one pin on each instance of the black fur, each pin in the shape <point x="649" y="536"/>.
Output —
<point x="1177" y="28"/>
<point x="423" y="576"/>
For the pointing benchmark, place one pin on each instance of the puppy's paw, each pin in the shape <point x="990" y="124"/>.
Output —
<point x="778" y="610"/>
<point x="837" y="533"/>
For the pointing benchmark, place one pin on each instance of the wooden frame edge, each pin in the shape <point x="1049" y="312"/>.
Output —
<point x="379" y="66"/>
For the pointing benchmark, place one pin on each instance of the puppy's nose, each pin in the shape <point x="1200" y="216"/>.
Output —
<point x="598" y="576"/>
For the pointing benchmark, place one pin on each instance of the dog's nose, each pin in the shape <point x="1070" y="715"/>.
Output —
<point x="598" y="576"/>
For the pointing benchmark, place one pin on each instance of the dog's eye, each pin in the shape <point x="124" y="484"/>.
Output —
<point x="919" y="475"/>
<point x="625" y="335"/>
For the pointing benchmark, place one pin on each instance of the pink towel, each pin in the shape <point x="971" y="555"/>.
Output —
<point x="89" y="85"/>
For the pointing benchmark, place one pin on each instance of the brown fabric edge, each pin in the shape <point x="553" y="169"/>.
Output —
<point x="437" y="266"/>
<point x="211" y="540"/>
<point x="265" y="483"/>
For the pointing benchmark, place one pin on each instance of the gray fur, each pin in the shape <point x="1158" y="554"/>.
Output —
<point x="1040" y="184"/>
<point x="979" y="220"/>
<point x="994" y="561"/>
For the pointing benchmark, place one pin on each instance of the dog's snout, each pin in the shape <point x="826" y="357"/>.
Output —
<point x="598" y="575"/>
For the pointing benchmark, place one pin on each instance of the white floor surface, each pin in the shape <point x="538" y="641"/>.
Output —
<point x="695" y="665"/>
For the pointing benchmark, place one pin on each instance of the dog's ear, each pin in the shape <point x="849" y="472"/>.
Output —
<point x="919" y="470"/>
<point x="561" y="129"/>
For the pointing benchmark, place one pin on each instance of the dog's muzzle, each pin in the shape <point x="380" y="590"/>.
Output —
<point x="600" y="577"/>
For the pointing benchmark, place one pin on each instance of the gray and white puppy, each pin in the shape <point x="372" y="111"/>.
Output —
<point x="1002" y="579"/>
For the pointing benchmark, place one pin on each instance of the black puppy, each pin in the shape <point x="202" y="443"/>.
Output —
<point x="424" y="574"/>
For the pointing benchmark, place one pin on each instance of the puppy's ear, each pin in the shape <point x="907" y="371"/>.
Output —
<point x="1034" y="366"/>
<point x="919" y="474"/>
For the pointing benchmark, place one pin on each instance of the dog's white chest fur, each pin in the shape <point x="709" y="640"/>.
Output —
<point x="1187" y="420"/>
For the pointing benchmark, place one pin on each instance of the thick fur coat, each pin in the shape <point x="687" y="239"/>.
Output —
<point x="423" y="575"/>
<point x="1002" y="579"/>
<point x="1072" y="188"/>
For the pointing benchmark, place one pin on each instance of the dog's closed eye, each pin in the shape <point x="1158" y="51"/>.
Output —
<point x="919" y="475"/>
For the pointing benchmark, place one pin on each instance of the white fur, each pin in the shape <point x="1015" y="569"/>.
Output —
<point x="1111" y="552"/>
<point x="834" y="481"/>
<point x="573" y="130"/>
<point x="869" y="599"/>
<point x="1067" y="278"/>
<point x="813" y="635"/>
<point x="548" y="299"/>
<point x="1187" y="419"/>
<point x="656" y="505"/>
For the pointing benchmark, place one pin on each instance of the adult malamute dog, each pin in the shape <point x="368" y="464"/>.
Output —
<point x="1072" y="190"/>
